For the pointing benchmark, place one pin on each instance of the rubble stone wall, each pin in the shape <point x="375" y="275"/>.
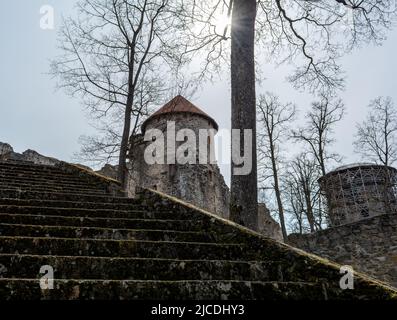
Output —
<point x="369" y="246"/>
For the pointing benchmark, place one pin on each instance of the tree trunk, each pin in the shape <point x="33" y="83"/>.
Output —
<point x="309" y="209"/>
<point x="321" y="160"/>
<point x="278" y="196"/>
<point x="244" y="189"/>
<point x="122" y="170"/>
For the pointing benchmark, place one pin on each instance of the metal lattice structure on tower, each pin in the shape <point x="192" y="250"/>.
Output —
<point x="359" y="191"/>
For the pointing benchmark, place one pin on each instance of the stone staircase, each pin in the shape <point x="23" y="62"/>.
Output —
<point x="104" y="246"/>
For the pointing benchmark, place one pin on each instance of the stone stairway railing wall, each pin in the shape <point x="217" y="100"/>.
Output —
<point x="369" y="246"/>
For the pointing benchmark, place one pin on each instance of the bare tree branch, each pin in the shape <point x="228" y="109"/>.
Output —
<point x="377" y="136"/>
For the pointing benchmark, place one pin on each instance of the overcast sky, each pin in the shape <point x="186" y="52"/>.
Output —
<point x="33" y="115"/>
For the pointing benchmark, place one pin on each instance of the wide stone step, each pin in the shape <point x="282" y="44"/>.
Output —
<point x="48" y="182"/>
<point x="70" y="204"/>
<point x="102" y="233"/>
<point x="11" y="161"/>
<point x="72" y="196"/>
<point x="47" y="173"/>
<point x="95" y="213"/>
<point x="153" y="224"/>
<point x="37" y="187"/>
<point x="127" y="248"/>
<point x="6" y="172"/>
<point x="55" y="189"/>
<point x="30" y="166"/>
<point x="83" y="267"/>
<point x="34" y="171"/>
<point x="59" y="193"/>
<point x="29" y="289"/>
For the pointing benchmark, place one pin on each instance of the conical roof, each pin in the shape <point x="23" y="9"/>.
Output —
<point x="179" y="104"/>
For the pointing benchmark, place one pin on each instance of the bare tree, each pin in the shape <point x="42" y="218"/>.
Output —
<point x="104" y="147"/>
<point x="376" y="137"/>
<point x="317" y="134"/>
<point x="303" y="191"/>
<point x="310" y="34"/>
<point x="111" y="53"/>
<point x="295" y="206"/>
<point x="274" y="119"/>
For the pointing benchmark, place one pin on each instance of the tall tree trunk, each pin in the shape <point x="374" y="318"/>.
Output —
<point x="244" y="189"/>
<point x="321" y="160"/>
<point x="122" y="170"/>
<point x="309" y="208"/>
<point x="386" y="163"/>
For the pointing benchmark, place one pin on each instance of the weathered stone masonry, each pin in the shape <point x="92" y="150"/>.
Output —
<point x="369" y="246"/>
<point x="107" y="247"/>
<point x="200" y="184"/>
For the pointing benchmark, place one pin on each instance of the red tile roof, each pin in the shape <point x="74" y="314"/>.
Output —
<point x="179" y="104"/>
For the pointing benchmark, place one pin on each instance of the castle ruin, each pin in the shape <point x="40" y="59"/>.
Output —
<point x="359" y="191"/>
<point x="200" y="183"/>
<point x="361" y="199"/>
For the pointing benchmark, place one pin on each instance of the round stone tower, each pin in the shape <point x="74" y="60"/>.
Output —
<point x="358" y="191"/>
<point x="185" y="165"/>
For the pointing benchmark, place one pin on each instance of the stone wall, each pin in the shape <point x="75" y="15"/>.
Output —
<point x="292" y="266"/>
<point x="267" y="225"/>
<point x="109" y="170"/>
<point x="8" y="153"/>
<point x="5" y="149"/>
<point x="369" y="246"/>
